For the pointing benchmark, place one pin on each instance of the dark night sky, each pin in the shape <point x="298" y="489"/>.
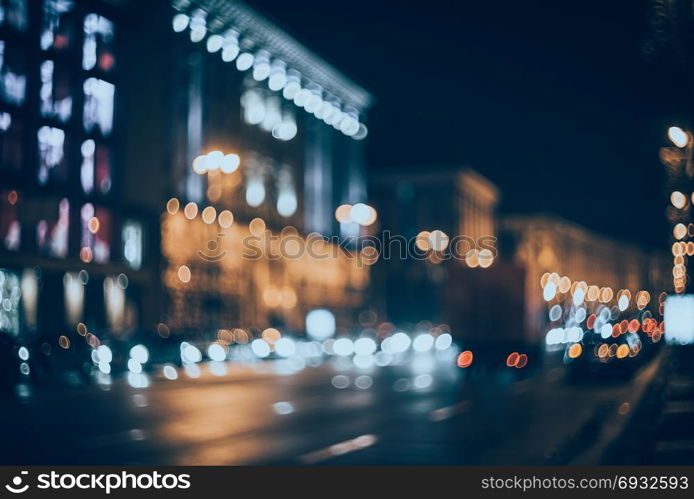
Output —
<point x="553" y="101"/>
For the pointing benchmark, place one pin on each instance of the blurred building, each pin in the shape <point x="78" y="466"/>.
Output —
<point x="480" y="273"/>
<point x="140" y="142"/>
<point x="71" y="246"/>
<point x="541" y="244"/>
<point x="433" y="221"/>
<point x="267" y="140"/>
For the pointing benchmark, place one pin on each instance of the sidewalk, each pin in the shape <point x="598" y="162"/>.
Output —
<point x="570" y="423"/>
<point x="613" y="425"/>
<point x="661" y="430"/>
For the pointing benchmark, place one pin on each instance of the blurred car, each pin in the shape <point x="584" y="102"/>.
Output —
<point x="603" y="360"/>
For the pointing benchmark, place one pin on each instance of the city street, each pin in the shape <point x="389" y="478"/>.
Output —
<point x="425" y="411"/>
<point x="248" y="233"/>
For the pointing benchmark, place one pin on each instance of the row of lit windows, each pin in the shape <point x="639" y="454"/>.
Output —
<point x="20" y="294"/>
<point x="52" y="232"/>
<point x="55" y="138"/>
<point x="56" y="101"/>
<point x="95" y="170"/>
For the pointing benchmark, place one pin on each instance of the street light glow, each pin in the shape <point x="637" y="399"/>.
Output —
<point x="678" y="199"/>
<point x="678" y="136"/>
<point x="320" y="324"/>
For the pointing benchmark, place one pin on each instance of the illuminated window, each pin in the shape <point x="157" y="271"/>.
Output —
<point x="10" y="228"/>
<point x="96" y="167"/>
<point x="96" y="234"/>
<point x="132" y="243"/>
<point x="87" y="170"/>
<point x="286" y="193"/>
<point x="10" y="309"/>
<point x="56" y="30"/>
<point x="55" y="93"/>
<point x="51" y="154"/>
<point x="14" y="13"/>
<point x="52" y="233"/>
<point x="98" y="105"/>
<point x="256" y="172"/>
<point x="10" y="142"/>
<point x="12" y="79"/>
<point x="73" y="293"/>
<point x="98" y="40"/>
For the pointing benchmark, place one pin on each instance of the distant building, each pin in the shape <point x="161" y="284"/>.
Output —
<point x="413" y="204"/>
<point x="491" y="300"/>
<point x="543" y="243"/>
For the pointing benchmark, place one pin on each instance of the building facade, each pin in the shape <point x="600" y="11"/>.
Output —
<point x="466" y="264"/>
<point x="267" y="141"/>
<point x="139" y="141"/>
<point x="432" y="221"/>
<point x="71" y="249"/>
<point x="546" y="244"/>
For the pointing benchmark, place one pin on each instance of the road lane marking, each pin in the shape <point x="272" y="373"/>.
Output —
<point x="675" y="446"/>
<point x="678" y="407"/>
<point x="339" y="449"/>
<point x="448" y="412"/>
